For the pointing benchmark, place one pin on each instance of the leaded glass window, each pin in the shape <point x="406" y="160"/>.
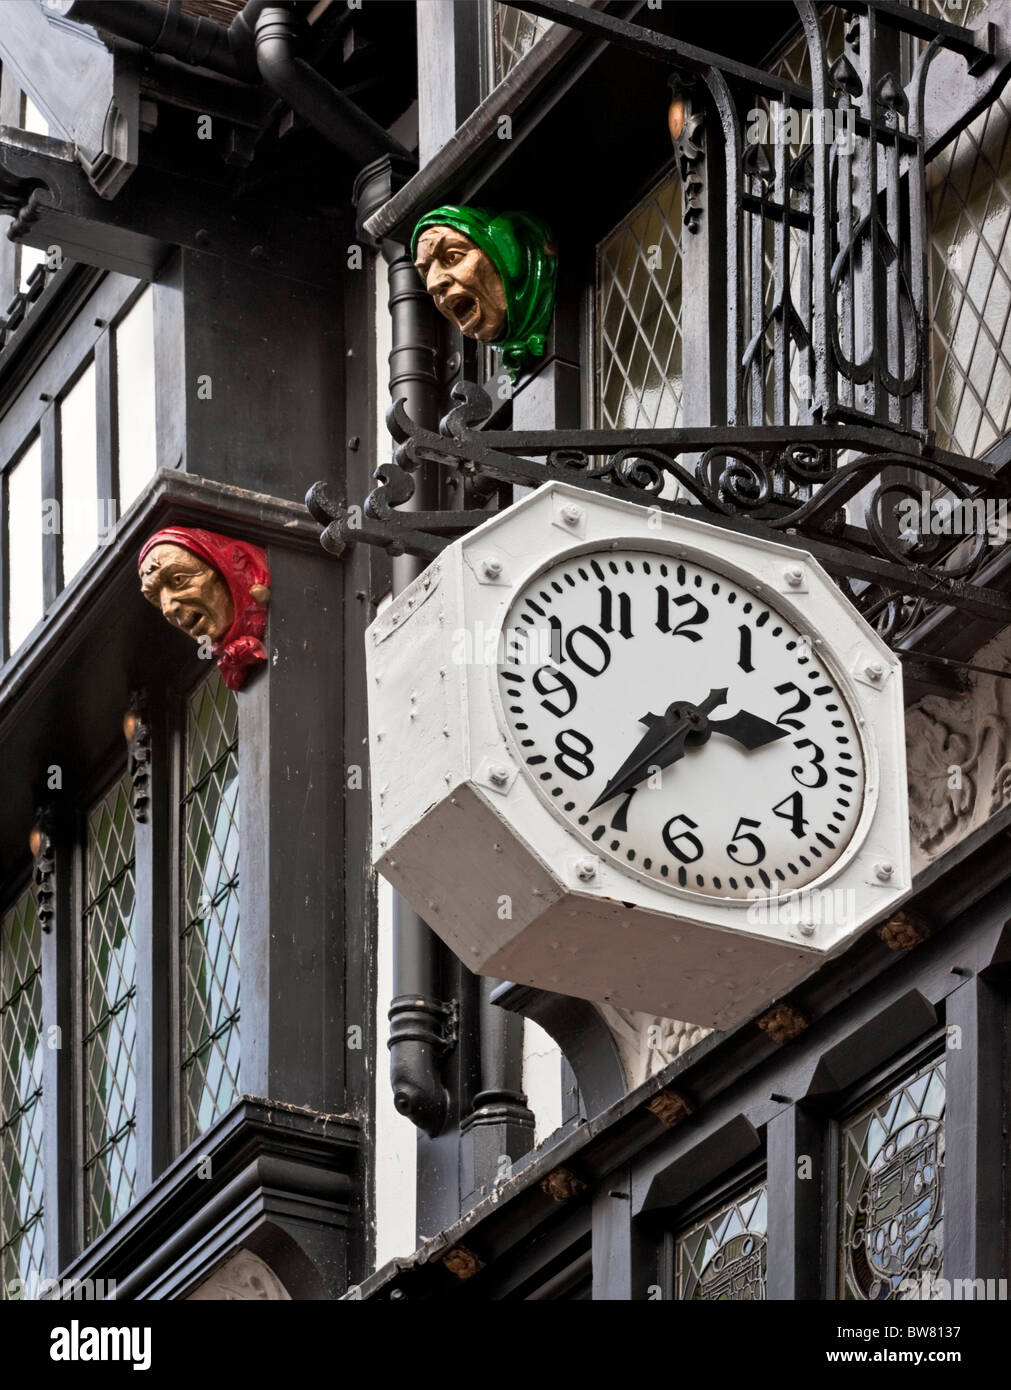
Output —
<point x="722" y="1257"/>
<point x="513" y="33"/>
<point x="892" y="1219"/>
<point x="639" y="339"/>
<point x="21" y="1141"/>
<point x="210" y="933"/>
<point x="969" y="213"/>
<point x="111" y="1010"/>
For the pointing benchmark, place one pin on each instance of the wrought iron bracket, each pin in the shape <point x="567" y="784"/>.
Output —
<point x="838" y="490"/>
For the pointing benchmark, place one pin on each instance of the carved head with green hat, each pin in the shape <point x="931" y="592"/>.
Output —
<point x="490" y="274"/>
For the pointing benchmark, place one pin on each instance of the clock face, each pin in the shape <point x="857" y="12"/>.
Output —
<point x="680" y="725"/>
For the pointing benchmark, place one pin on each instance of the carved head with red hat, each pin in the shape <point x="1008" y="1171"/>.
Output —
<point x="212" y="587"/>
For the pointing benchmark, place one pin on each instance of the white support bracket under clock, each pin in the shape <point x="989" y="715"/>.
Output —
<point x="630" y="756"/>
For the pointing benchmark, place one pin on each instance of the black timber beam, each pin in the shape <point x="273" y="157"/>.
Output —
<point x="45" y="191"/>
<point x="283" y="1185"/>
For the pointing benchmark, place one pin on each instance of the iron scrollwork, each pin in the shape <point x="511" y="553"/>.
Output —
<point x="868" y="501"/>
<point x="826" y="351"/>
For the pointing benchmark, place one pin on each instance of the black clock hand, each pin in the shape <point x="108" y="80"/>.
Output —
<point x="749" y="730"/>
<point x="663" y="743"/>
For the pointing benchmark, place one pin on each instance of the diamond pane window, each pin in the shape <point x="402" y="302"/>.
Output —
<point x="969" y="212"/>
<point x="892" y="1218"/>
<point x="639" y="339"/>
<point x="111" y="1019"/>
<point x="513" y="33"/>
<point x="21" y="1142"/>
<point x="722" y="1258"/>
<point x="209" y="943"/>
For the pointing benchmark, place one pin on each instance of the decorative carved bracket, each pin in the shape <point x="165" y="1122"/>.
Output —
<point x="44" y="866"/>
<point x="685" y="124"/>
<point x="138" y="741"/>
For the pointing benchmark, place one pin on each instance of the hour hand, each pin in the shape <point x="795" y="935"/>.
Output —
<point x="749" y="730"/>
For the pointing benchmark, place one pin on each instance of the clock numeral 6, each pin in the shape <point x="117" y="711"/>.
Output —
<point x="543" y="678"/>
<point x="741" y="834"/>
<point x="684" y="846"/>
<point x="576" y="751"/>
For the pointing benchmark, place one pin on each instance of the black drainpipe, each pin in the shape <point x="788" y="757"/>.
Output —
<point x="311" y="96"/>
<point x="420" y="1022"/>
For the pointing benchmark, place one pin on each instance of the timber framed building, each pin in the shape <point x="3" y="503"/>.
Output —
<point x="209" y="305"/>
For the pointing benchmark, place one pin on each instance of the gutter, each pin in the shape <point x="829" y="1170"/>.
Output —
<point x="472" y="140"/>
<point x="261" y="43"/>
<point x="194" y="40"/>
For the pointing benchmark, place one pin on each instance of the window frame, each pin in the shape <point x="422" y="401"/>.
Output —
<point x="876" y="1084"/>
<point x="594" y="406"/>
<point x="113" y="769"/>
<point x="728" y="1156"/>
<point x="11" y="893"/>
<point x="177" y="705"/>
<point x="730" y="1187"/>
<point x="33" y="404"/>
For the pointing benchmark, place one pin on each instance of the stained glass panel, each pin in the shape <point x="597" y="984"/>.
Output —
<point x="22" y="1233"/>
<point x="111" y="1020"/>
<point x="210" y="936"/>
<point x="722" y="1258"/>
<point x="892" y="1218"/>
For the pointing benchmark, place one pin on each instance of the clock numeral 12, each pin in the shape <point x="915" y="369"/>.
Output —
<point x="695" y="619"/>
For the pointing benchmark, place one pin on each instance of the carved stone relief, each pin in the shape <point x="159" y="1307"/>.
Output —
<point x="647" y="1044"/>
<point x="959" y="757"/>
<point x="239" y="1279"/>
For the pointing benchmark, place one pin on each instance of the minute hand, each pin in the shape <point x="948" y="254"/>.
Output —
<point x="662" y="744"/>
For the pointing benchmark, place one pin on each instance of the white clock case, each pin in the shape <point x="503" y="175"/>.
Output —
<point x="497" y="874"/>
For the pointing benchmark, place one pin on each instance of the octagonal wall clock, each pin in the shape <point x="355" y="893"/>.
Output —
<point x="635" y="757"/>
